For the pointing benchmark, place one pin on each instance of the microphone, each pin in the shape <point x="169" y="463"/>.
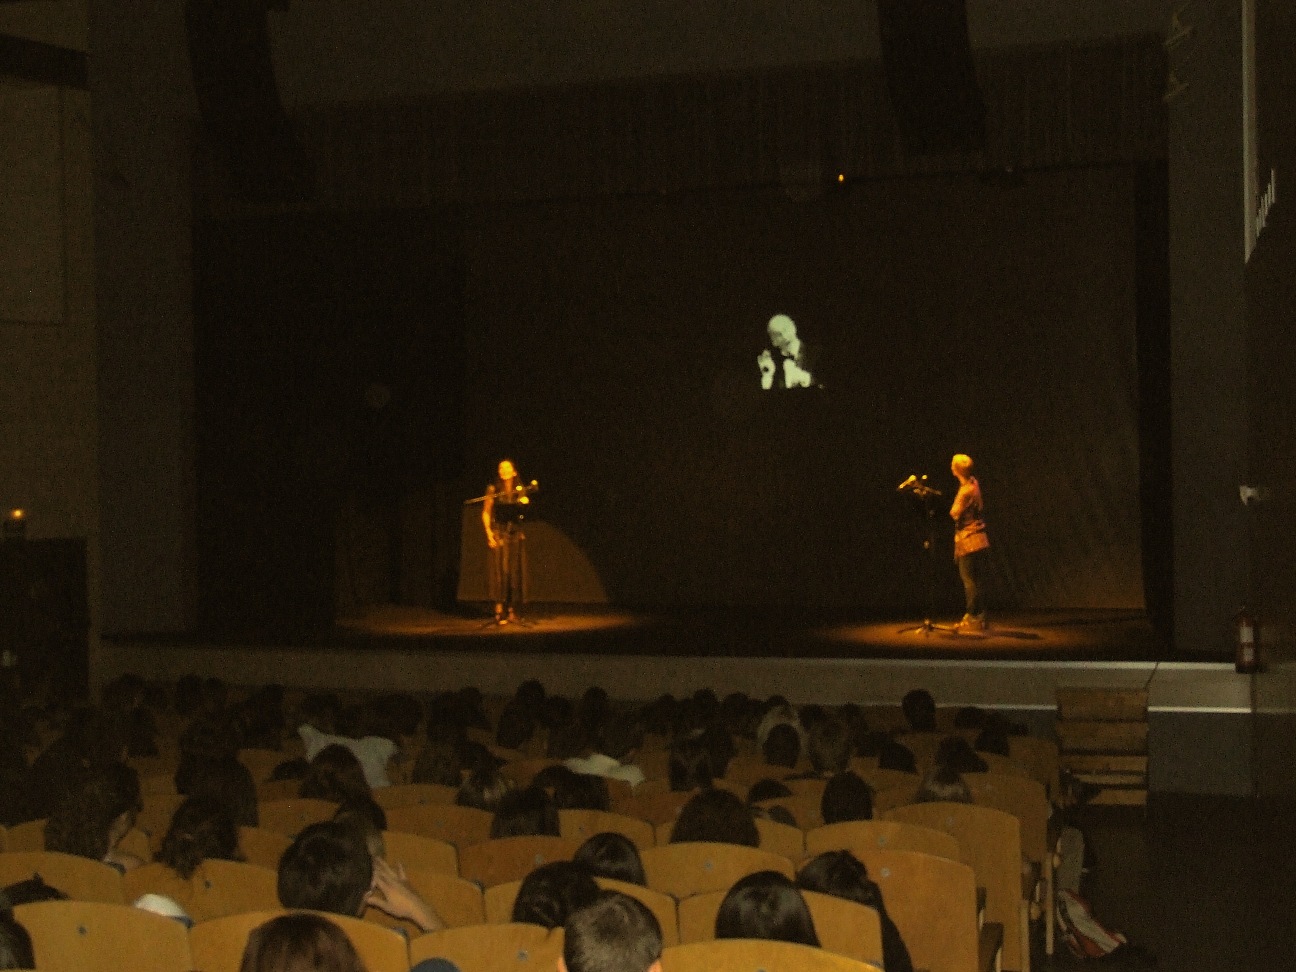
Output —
<point x="907" y="483"/>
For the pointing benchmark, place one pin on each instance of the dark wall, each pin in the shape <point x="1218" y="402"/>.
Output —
<point x="329" y="375"/>
<point x="612" y="349"/>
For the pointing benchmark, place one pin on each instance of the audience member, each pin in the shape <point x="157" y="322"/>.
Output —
<point x="373" y="752"/>
<point x="95" y="815"/>
<point x="943" y="784"/>
<point x="483" y="789"/>
<point x="335" y="775"/>
<point x="919" y="710"/>
<point x="550" y="893"/>
<point x="612" y="855"/>
<point x="613" y="933"/>
<point x="841" y="874"/>
<point x="689" y="767"/>
<point x="782" y="746"/>
<point x="300" y="942"/>
<point x="828" y="746"/>
<point x="846" y="797"/>
<point x="957" y="753"/>
<point x="717" y="816"/>
<point x="897" y="756"/>
<point x="766" y="905"/>
<point x="201" y="829"/>
<point x="525" y="812"/>
<point x="15" y="944"/>
<point x="620" y="738"/>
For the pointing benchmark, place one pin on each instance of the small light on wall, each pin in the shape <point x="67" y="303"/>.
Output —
<point x="15" y="524"/>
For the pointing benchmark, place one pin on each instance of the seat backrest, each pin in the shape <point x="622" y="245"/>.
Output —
<point x="291" y="817"/>
<point x="217" y="888"/>
<point x="864" y="835"/>
<point x="29" y="836"/>
<point x="660" y="904"/>
<point x="755" y="955"/>
<point x="512" y="858"/>
<point x="685" y="869"/>
<point x="656" y="808"/>
<point x="492" y="948"/>
<point x="457" y="901"/>
<point x="80" y="878"/>
<point x="157" y="783"/>
<point x="1005" y="765"/>
<point x="273" y="791"/>
<point x="1025" y="798"/>
<point x="498" y="902"/>
<point x="781" y="839"/>
<point x="749" y="770"/>
<point x="412" y="794"/>
<point x="427" y="853"/>
<point x="581" y="825"/>
<point x="522" y="771"/>
<point x="846" y="927"/>
<point x="263" y="847"/>
<point x="1040" y="757"/>
<point x="460" y="826"/>
<point x="923" y="745"/>
<point x="885" y="779"/>
<point x="90" y="936"/>
<point x="697" y="916"/>
<point x="217" y="945"/>
<point x="807" y="786"/>
<point x="990" y="841"/>
<point x="891" y="797"/>
<point x="932" y="901"/>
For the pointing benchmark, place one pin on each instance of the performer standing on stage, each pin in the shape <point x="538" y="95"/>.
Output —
<point x="502" y="515"/>
<point x="970" y="541"/>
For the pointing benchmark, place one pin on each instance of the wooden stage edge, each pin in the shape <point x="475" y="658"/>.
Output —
<point x="1018" y="664"/>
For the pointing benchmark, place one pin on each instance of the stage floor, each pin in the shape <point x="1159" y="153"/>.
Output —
<point x="584" y="629"/>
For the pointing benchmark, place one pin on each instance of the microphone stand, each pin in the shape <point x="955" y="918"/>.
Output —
<point x="917" y="486"/>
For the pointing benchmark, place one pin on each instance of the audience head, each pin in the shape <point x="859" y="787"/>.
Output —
<point x="229" y="782"/>
<point x="551" y="892"/>
<point x="841" y="874"/>
<point x="943" y="784"/>
<point x="846" y="797"/>
<point x="717" y="816"/>
<point x="95" y="814"/>
<point x="969" y="717"/>
<point x="582" y="791"/>
<point x="621" y="738"/>
<point x="919" y="710"/>
<point x="782" y="747"/>
<point x="336" y="775"/>
<point x="614" y="856"/>
<point x="766" y="905"/>
<point x="516" y="726"/>
<point x="828" y="745"/>
<point x="437" y="762"/>
<point x="327" y="868"/>
<point x="525" y="812"/>
<point x="367" y="821"/>
<point x="201" y="828"/>
<point x="993" y="739"/>
<point x="896" y="756"/>
<point x="767" y="789"/>
<point x="16" y="944"/>
<point x="300" y="942"/>
<point x="957" y="753"/>
<point x="483" y="789"/>
<point x="614" y="933"/>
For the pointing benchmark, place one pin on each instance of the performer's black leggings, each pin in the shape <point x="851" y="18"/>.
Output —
<point x="971" y="567"/>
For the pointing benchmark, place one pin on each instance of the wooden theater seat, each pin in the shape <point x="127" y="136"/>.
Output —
<point x="685" y="869"/>
<point x="512" y="858"/>
<point x="90" y="936"/>
<point x="492" y="948"/>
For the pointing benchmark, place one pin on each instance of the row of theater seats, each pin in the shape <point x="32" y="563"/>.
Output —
<point x="95" y="937"/>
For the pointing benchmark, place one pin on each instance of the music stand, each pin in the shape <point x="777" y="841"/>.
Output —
<point x="917" y="487"/>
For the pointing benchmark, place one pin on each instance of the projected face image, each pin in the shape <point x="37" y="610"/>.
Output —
<point x="783" y="364"/>
<point x="506" y="470"/>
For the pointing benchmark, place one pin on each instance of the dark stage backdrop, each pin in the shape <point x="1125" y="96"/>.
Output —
<point x="612" y="351"/>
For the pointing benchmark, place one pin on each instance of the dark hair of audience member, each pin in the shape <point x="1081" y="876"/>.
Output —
<point x="530" y="695"/>
<point x="327" y="868"/>
<point x="229" y="782"/>
<point x="402" y="715"/>
<point x="525" y="812"/>
<point x="15" y="944"/>
<point x="622" y="735"/>
<point x="766" y="905"/>
<point x="957" y="753"/>
<point x="300" y="942"/>
<point x="319" y="710"/>
<point x="568" y="741"/>
<point x="869" y="742"/>
<point x="782" y="746"/>
<point x="614" y="933"/>
<point x="734" y="712"/>
<point x="335" y="774"/>
<point x="611" y="855"/>
<point x="188" y="695"/>
<point x="90" y="740"/>
<point x="776" y="813"/>
<point x="767" y="789"/>
<point x="658" y="715"/>
<point x="943" y="784"/>
<point x="717" y="816"/>
<point x="367" y="821"/>
<point x="516" y="726"/>
<point x="483" y="789"/>
<point x="552" y="892"/>
<point x="30" y="891"/>
<point x="95" y="814"/>
<point x="828" y="745"/>
<point x="969" y="717"/>
<point x="555" y="711"/>
<point x="472" y="707"/>
<point x="291" y="769"/>
<point x="592" y="710"/>
<point x="897" y="756"/>
<point x="919" y="710"/>
<point x="437" y="762"/>
<point x="260" y="718"/>
<point x="720" y="747"/>
<point x="689" y="767"/>
<point x="842" y="875"/>
<point x="993" y="739"/>
<point x="201" y="829"/>
<point x="846" y="797"/>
